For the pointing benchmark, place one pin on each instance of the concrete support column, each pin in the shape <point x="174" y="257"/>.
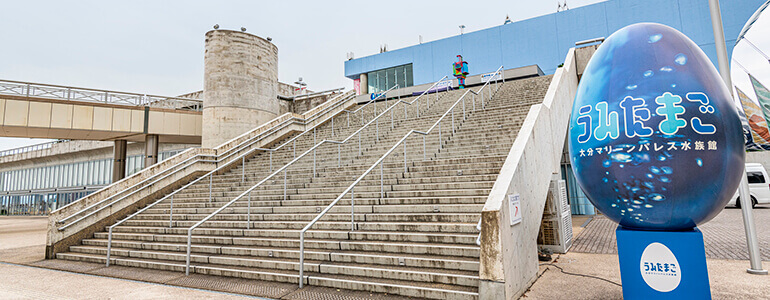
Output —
<point x="119" y="160"/>
<point x="364" y="83"/>
<point x="150" y="150"/>
<point x="240" y="81"/>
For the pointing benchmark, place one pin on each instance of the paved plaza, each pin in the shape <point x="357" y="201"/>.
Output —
<point x="724" y="235"/>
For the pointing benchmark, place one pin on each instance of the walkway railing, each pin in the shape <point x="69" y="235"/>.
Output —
<point x="31" y="148"/>
<point x="351" y="189"/>
<point x="68" y="93"/>
<point x="285" y="168"/>
<point x="173" y="170"/>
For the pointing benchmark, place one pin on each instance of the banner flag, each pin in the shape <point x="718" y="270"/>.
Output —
<point x="760" y="134"/>
<point x="763" y="96"/>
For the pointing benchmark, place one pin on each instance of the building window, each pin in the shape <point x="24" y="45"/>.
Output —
<point x="382" y="80"/>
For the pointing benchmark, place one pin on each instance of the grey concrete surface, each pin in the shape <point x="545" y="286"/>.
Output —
<point x="728" y="279"/>
<point x="723" y="236"/>
<point x="22" y="241"/>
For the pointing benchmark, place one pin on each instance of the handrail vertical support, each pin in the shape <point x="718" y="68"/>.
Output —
<point x="301" y="257"/>
<point x="382" y="186"/>
<point x="189" y="246"/>
<point x="423" y="148"/>
<point x="271" y="161"/>
<point x="248" y="213"/>
<point x="109" y="245"/>
<point x="211" y="183"/>
<point x="243" y="169"/>
<point x="404" y="156"/>
<point x="352" y="209"/>
<point x="171" y="212"/>
<point x="284" y="183"/>
<point x="339" y="155"/>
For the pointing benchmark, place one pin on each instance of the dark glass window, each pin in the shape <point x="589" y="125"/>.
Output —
<point x="755" y="177"/>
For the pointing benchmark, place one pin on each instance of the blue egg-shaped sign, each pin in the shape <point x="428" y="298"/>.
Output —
<point x="654" y="139"/>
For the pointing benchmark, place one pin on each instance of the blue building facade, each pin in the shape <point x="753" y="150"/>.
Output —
<point x="545" y="40"/>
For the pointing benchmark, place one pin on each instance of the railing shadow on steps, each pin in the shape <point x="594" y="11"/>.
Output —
<point x="351" y="189"/>
<point x="284" y="169"/>
<point x="185" y="164"/>
<point x="316" y="113"/>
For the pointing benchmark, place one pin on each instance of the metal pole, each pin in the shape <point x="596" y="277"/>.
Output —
<point x="404" y="156"/>
<point x="109" y="245"/>
<point x="743" y="190"/>
<point x="171" y="215"/>
<point x="248" y="213"/>
<point x="332" y="126"/>
<point x="391" y="119"/>
<point x="359" y="143"/>
<point x="271" y="161"/>
<point x="243" y="168"/>
<point x="339" y="155"/>
<point x="284" y="183"/>
<point x="294" y="147"/>
<point x="423" y="147"/>
<point x="189" y="246"/>
<point x="382" y="186"/>
<point x="301" y="257"/>
<point x="211" y="181"/>
<point x="352" y="209"/>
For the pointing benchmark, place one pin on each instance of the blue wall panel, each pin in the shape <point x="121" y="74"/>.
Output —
<point x="545" y="40"/>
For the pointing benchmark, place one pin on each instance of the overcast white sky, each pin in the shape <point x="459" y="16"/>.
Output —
<point x="156" y="47"/>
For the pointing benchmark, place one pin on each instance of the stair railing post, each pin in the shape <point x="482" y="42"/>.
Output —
<point x="271" y="161"/>
<point x="171" y="212"/>
<point x="453" y="120"/>
<point x="382" y="186"/>
<point x="294" y="147"/>
<point x="377" y="128"/>
<point x="314" y="161"/>
<point x="352" y="209"/>
<point x="109" y="245"/>
<point x="423" y="147"/>
<point x="348" y="113"/>
<point x="243" y="168"/>
<point x="332" y="126"/>
<point x="339" y="155"/>
<point x="463" y="108"/>
<point x="211" y="182"/>
<point x="189" y="246"/>
<point x="248" y="213"/>
<point x="404" y="111"/>
<point x="474" y="101"/>
<point x="301" y="257"/>
<point x="439" y="134"/>
<point x="391" y="118"/>
<point x="359" y="143"/>
<point x="284" y="183"/>
<point x="404" y="155"/>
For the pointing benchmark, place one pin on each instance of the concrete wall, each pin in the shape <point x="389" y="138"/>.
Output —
<point x="762" y="157"/>
<point x="240" y="85"/>
<point x="545" y="40"/>
<point x="508" y="262"/>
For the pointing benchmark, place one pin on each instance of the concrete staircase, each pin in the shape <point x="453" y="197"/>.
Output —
<point x="414" y="232"/>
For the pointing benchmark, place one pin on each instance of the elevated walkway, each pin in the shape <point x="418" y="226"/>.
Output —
<point x="35" y="110"/>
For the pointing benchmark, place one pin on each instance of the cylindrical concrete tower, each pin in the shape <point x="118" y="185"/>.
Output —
<point x="240" y="85"/>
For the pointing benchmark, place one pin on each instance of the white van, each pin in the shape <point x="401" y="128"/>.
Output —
<point x="759" y="186"/>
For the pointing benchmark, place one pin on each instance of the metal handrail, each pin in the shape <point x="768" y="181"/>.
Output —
<point x="69" y="93"/>
<point x="193" y="160"/>
<point x="51" y="190"/>
<point x="379" y="162"/>
<point x="30" y="148"/>
<point x="211" y="173"/>
<point x="284" y="170"/>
